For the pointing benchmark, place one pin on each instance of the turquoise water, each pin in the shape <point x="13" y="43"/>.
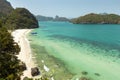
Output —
<point x="69" y="50"/>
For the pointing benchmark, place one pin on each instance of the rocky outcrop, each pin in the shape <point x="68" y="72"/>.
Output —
<point x="35" y="71"/>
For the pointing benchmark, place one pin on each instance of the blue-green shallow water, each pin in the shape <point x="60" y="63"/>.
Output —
<point x="70" y="49"/>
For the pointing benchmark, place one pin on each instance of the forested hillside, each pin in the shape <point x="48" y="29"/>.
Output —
<point x="21" y="18"/>
<point x="93" y="18"/>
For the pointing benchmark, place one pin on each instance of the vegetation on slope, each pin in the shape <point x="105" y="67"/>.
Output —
<point x="21" y="18"/>
<point x="10" y="67"/>
<point x="93" y="18"/>
<point x="16" y="18"/>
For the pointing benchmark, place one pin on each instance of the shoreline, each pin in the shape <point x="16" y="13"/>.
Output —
<point x="25" y="54"/>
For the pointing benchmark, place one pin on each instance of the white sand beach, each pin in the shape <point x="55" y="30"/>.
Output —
<point x="25" y="53"/>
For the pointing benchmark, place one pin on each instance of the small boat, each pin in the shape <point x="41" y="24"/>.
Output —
<point x="34" y="33"/>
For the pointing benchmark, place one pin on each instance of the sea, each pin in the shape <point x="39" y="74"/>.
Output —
<point x="66" y="51"/>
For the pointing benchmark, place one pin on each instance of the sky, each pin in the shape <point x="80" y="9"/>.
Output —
<point x="68" y="8"/>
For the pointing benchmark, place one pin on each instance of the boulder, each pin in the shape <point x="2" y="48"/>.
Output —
<point x="97" y="74"/>
<point x="35" y="71"/>
<point x="84" y="73"/>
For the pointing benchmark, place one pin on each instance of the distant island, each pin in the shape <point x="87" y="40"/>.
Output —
<point x="93" y="18"/>
<point x="57" y="18"/>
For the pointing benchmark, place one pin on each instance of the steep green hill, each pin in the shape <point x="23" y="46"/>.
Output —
<point x="21" y="18"/>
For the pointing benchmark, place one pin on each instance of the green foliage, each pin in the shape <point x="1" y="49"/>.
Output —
<point x="21" y="18"/>
<point x="3" y="17"/>
<point x="6" y="42"/>
<point x="42" y="78"/>
<point x="97" y="19"/>
<point x="10" y="68"/>
<point x="5" y="10"/>
<point x="0" y="23"/>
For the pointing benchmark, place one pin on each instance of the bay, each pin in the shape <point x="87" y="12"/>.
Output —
<point x="72" y="51"/>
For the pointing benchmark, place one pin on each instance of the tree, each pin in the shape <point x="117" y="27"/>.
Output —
<point x="10" y="68"/>
<point x="21" y="18"/>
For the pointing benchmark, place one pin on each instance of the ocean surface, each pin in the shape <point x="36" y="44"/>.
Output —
<point x="66" y="51"/>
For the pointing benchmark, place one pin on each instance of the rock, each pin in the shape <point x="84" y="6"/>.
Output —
<point x="97" y="74"/>
<point x="84" y="73"/>
<point x="35" y="71"/>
